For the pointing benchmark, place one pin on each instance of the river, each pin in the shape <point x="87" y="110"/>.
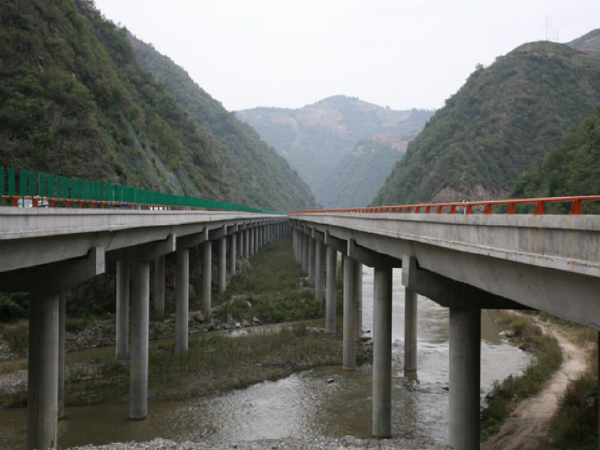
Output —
<point x="324" y="401"/>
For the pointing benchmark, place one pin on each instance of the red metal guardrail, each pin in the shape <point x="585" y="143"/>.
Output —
<point x="480" y="207"/>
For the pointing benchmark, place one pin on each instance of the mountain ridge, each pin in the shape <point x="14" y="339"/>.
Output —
<point x="503" y="119"/>
<point x="316" y="138"/>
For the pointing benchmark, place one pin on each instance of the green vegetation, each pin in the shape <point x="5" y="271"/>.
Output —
<point x="573" y="168"/>
<point x="574" y="426"/>
<point x="503" y="120"/>
<point x="75" y="102"/>
<point x="255" y="173"/>
<point x="548" y="358"/>
<point x="316" y="138"/>
<point x="271" y="290"/>
<point x="589" y="43"/>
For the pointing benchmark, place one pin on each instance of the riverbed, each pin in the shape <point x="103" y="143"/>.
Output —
<point x="324" y="401"/>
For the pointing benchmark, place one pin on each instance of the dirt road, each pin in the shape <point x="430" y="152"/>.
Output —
<point x="527" y="425"/>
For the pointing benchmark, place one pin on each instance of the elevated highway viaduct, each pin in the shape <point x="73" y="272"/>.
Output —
<point x="45" y="251"/>
<point x="466" y="262"/>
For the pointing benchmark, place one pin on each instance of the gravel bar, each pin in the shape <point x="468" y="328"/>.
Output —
<point x="305" y="443"/>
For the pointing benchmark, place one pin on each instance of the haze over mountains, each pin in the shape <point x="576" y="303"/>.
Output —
<point x="321" y="140"/>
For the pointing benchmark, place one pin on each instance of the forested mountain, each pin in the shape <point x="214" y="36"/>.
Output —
<point x="360" y="174"/>
<point x="504" y="119"/>
<point x="573" y="168"/>
<point x="589" y="43"/>
<point x="75" y="102"/>
<point x="316" y="138"/>
<point x="255" y="172"/>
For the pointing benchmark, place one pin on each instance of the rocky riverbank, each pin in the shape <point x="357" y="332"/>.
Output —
<point x="304" y="443"/>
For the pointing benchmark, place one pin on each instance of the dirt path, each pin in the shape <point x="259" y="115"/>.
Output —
<point x="528" y="424"/>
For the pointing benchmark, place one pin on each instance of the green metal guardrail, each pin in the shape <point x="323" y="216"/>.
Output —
<point x="30" y="189"/>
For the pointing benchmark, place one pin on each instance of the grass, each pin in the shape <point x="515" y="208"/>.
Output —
<point x="508" y="393"/>
<point x="271" y="290"/>
<point x="212" y="363"/>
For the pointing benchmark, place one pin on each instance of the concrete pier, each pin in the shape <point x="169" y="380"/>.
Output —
<point x="349" y="332"/>
<point x="42" y="420"/>
<point x="159" y="286"/>
<point x="62" y="334"/>
<point x="382" y="353"/>
<point x="410" y="330"/>
<point x="206" y="279"/>
<point x="140" y="315"/>
<point x="331" y="291"/>
<point x="222" y="255"/>
<point x="359" y="297"/>
<point x="122" y="316"/>
<point x="182" y="293"/>
<point x="232" y="253"/>
<point x="465" y="364"/>
<point x="319" y="271"/>
<point x="311" y="260"/>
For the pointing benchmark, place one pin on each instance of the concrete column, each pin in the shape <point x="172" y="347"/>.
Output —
<point x="62" y="334"/>
<point x="252" y="240"/>
<point x="331" y="291"/>
<point x="247" y="243"/>
<point x="349" y="333"/>
<point x="140" y="319"/>
<point x="42" y="418"/>
<point x="410" y="330"/>
<point x="240" y="241"/>
<point x="206" y="279"/>
<point x="465" y="365"/>
<point x="122" y="317"/>
<point x="305" y="253"/>
<point x="311" y="260"/>
<point x="382" y="353"/>
<point x="182" y="296"/>
<point x="319" y="272"/>
<point x="232" y="254"/>
<point x="359" y="297"/>
<point x="159" y="286"/>
<point x="222" y="280"/>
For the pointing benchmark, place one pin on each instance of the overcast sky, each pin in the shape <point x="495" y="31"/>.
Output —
<point x="396" y="53"/>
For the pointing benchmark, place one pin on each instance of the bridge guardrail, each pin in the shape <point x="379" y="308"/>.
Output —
<point x="483" y="207"/>
<point x="24" y="188"/>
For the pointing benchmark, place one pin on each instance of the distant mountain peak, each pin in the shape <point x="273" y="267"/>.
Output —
<point x="588" y="43"/>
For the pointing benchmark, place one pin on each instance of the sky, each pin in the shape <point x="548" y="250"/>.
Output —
<point x="397" y="53"/>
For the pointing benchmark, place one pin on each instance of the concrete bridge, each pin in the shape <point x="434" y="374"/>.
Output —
<point x="466" y="262"/>
<point x="45" y="251"/>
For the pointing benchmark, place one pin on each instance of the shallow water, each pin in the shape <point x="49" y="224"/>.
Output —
<point x="324" y="401"/>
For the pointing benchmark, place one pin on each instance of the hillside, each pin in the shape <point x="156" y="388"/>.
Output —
<point x="573" y="168"/>
<point x="316" y="138"/>
<point x="255" y="172"/>
<point x="497" y="125"/>
<point x="360" y="174"/>
<point x="75" y="102"/>
<point x="589" y="43"/>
